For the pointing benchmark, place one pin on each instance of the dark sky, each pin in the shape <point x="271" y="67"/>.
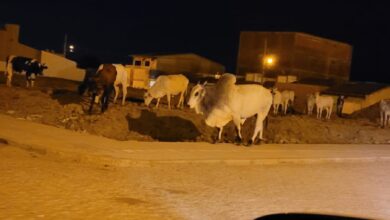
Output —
<point x="115" y="29"/>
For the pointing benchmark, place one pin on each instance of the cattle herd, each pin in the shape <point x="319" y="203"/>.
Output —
<point x="219" y="104"/>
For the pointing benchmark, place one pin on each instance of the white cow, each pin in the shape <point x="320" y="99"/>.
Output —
<point x="167" y="85"/>
<point x="227" y="101"/>
<point x="277" y="100"/>
<point x="384" y="108"/>
<point x="287" y="96"/>
<point x="323" y="102"/>
<point x="310" y="102"/>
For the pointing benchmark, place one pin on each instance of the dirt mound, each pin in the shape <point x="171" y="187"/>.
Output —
<point x="371" y="113"/>
<point x="56" y="102"/>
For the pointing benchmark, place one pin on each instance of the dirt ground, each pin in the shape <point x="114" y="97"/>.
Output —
<point x="56" y="102"/>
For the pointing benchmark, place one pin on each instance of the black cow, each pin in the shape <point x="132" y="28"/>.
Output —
<point x="31" y="67"/>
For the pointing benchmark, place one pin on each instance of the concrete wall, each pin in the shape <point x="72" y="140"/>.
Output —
<point x="61" y="67"/>
<point x="2" y="66"/>
<point x="353" y="104"/>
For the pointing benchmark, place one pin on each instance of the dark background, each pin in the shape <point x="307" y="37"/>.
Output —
<point x="112" y="30"/>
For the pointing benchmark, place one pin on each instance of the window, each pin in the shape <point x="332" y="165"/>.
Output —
<point x="147" y="63"/>
<point x="137" y="63"/>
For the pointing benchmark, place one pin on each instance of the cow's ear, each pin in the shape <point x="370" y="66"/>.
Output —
<point x="205" y="83"/>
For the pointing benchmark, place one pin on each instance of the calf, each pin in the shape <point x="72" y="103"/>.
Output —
<point x="323" y="102"/>
<point x="287" y="96"/>
<point x="24" y="64"/>
<point x="277" y="100"/>
<point x="167" y="86"/>
<point x="384" y="108"/>
<point x="310" y="102"/>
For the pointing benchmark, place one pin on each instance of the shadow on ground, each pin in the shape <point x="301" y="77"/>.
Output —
<point x="164" y="128"/>
<point x="65" y="96"/>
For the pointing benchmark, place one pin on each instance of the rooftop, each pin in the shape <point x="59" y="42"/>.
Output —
<point x="356" y="89"/>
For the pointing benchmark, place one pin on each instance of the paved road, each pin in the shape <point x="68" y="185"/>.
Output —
<point x="89" y="148"/>
<point x="39" y="186"/>
<point x="58" y="174"/>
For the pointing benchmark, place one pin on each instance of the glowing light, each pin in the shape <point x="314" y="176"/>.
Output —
<point x="71" y="48"/>
<point x="269" y="60"/>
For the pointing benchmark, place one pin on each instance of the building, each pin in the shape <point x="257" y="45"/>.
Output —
<point x="359" y="95"/>
<point x="189" y="64"/>
<point x="271" y="54"/>
<point x="9" y="44"/>
<point x="58" y="65"/>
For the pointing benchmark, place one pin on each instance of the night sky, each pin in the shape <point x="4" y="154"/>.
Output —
<point x="116" y="29"/>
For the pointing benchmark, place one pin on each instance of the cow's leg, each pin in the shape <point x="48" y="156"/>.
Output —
<point x="116" y="88"/>
<point x="9" y="74"/>
<point x="32" y="80"/>
<point x="220" y="133"/>
<point x="258" y="128"/>
<point x="124" y="93"/>
<point x="218" y="139"/>
<point x="28" y="78"/>
<point x="275" y="109"/>
<point x="92" y="102"/>
<point x="285" y="108"/>
<point x="237" y="123"/>
<point x="180" y="100"/>
<point x="104" y="104"/>
<point x="169" y="100"/>
<point x="106" y="97"/>
<point x="318" y="112"/>
<point x="158" y="102"/>
<point x="382" y="114"/>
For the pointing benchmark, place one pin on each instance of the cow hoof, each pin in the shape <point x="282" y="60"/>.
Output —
<point x="250" y="142"/>
<point x="238" y="141"/>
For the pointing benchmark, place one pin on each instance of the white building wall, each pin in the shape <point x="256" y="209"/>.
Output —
<point x="60" y="67"/>
<point x="2" y="66"/>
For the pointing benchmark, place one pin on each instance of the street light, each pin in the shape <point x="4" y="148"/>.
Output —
<point x="71" y="48"/>
<point x="269" y="61"/>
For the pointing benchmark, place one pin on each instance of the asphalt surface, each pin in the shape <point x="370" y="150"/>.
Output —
<point x="89" y="148"/>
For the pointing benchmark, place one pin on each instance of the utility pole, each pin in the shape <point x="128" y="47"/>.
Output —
<point x="65" y="44"/>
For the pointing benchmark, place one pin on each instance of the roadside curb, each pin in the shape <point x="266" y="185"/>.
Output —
<point x="106" y="160"/>
<point x="82" y="147"/>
